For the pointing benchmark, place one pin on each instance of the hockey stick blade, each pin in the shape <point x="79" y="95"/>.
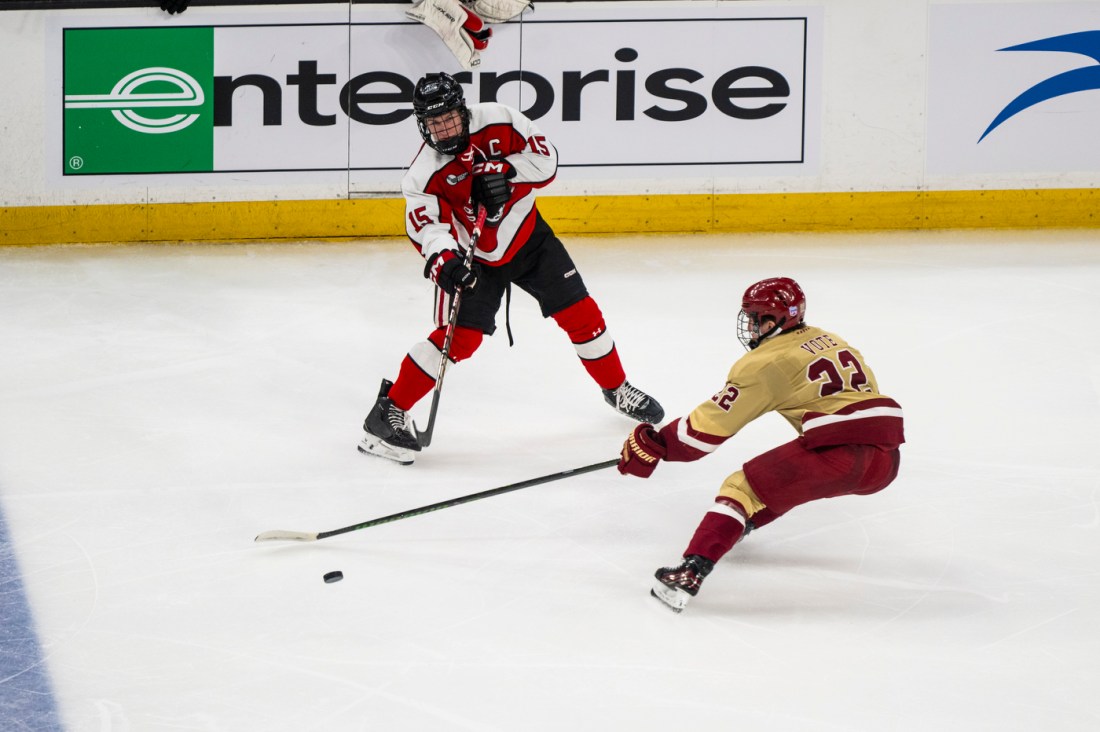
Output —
<point x="281" y="535"/>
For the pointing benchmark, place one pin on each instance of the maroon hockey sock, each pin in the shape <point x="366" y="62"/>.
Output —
<point x="587" y="331"/>
<point x="763" y="517"/>
<point x="718" y="531"/>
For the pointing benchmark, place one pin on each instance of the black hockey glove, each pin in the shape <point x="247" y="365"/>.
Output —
<point x="448" y="272"/>
<point x="490" y="186"/>
<point x="174" y="6"/>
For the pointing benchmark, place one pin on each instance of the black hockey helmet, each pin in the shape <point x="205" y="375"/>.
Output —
<point x="437" y="94"/>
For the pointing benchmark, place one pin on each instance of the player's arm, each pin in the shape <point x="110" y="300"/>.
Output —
<point x="424" y="225"/>
<point x="443" y="263"/>
<point x="535" y="162"/>
<point x="532" y="163"/>
<point x="744" y="397"/>
<point x="714" y="421"/>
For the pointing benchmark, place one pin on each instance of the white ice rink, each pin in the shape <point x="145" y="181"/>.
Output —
<point x="161" y="405"/>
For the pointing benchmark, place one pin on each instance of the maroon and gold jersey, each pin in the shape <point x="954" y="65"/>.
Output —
<point x="438" y="212"/>
<point x="814" y="378"/>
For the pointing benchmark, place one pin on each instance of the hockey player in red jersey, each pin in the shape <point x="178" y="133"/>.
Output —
<point x="487" y="155"/>
<point x="849" y="433"/>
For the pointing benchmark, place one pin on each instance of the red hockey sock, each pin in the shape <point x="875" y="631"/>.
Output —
<point x="463" y="344"/>
<point x="718" y="531"/>
<point x="411" y="385"/>
<point x="587" y="331"/>
<point x="419" y="368"/>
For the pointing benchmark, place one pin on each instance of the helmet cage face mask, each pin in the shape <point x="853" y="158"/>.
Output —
<point x="748" y="330"/>
<point x="436" y="95"/>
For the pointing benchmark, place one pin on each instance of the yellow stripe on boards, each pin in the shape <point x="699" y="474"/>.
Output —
<point x="384" y="217"/>
<point x="784" y="212"/>
<point x="225" y="221"/>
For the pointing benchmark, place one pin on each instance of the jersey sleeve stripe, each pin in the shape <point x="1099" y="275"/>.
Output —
<point x="692" y="437"/>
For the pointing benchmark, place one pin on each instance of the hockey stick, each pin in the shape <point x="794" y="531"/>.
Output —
<point x="281" y="535"/>
<point x="425" y="437"/>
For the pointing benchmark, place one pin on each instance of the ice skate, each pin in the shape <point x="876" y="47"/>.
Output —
<point x="675" y="586"/>
<point x="389" y="431"/>
<point x="632" y="402"/>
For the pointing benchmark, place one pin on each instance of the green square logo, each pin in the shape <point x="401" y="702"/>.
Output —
<point x="138" y="100"/>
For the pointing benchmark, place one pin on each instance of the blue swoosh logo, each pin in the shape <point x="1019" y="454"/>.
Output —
<point x="1086" y="43"/>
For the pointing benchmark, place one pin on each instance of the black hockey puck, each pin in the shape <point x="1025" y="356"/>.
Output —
<point x="331" y="577"/>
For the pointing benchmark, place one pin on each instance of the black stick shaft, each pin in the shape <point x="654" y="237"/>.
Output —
<point x="472" y="497"/>
<point x="425" y="437"/>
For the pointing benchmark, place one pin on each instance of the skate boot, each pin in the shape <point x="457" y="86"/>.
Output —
<point x="634" y="403"/>
<point x="676" y="585"/>
<point x="389" y="430"/>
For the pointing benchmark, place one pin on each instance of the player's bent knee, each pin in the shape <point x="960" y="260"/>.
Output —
<point x="581" y="316"/>
<point x="736" y="488"/>
<point x="465" y="342"/>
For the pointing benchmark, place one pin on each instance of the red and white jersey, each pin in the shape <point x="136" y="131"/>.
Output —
<point x="438" y="212"/>
<point x="812" y="377"/>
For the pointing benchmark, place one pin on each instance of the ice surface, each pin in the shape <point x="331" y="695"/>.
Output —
<point x="162" y="405"/>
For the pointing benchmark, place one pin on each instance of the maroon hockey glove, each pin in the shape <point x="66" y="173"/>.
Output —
<point x="448" y="272"/>
<point x="490" y="186"/>
<point x="475" y="28"/>
<point x="642" y="451"/>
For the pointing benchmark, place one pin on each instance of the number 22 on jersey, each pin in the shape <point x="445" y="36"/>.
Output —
<point x="844" y="374"/>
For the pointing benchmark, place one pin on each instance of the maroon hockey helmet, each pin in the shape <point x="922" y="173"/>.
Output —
<point x="779" y="299"/>
<point x="437" y="94"/>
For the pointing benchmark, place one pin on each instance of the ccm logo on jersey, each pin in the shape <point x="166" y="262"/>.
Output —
<point x="489" y="166"/>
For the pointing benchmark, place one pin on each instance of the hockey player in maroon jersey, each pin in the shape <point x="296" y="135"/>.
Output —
<point x="849" y="433"/>
<point x="487" y="155"/>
